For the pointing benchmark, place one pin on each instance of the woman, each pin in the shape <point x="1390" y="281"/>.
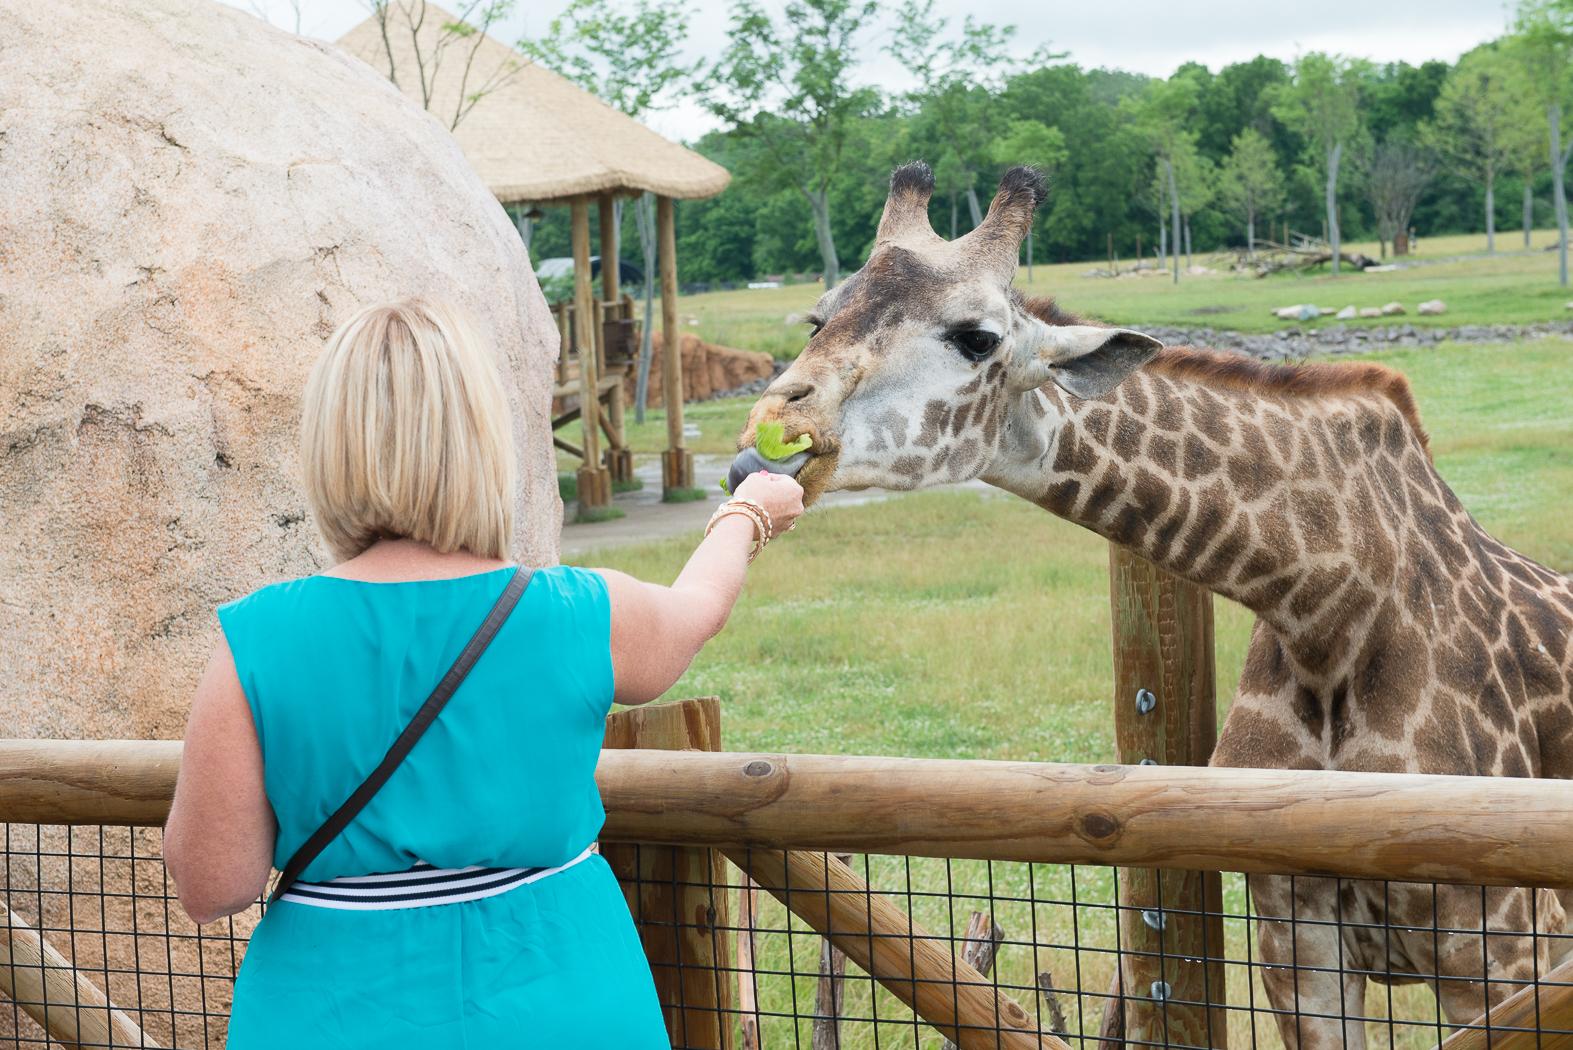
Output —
<point x="497" y="925"/>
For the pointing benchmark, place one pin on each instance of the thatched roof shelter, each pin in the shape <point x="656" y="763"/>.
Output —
<point x="533" y="136"/>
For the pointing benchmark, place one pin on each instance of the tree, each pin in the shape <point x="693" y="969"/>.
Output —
<point x="457" y="40"/>
<point x="1251" y="182"/>
<point x="1322" y="102"/>
<point x="790" y="86"/>
<point x="1525" y="128"/>
<point x="1034" y="144"/>
<point x="1545" y="51"/>
<point x="630" y="58"/>
<point x="1396" y="174"/>
<point x="951" y="180"/>
<point x="264" y="11"/>
<point x="1196" y="182"/>
<point x="1239" y="97"/>
<point x="1101" y="187"/>
<point x="1473" y="114"/>
<point x="1158" y="197"/>
<point x="1163" y="113"/>
<point x="957" y="81"/>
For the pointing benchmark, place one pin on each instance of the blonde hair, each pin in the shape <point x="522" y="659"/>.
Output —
<point x="405" y="433"/>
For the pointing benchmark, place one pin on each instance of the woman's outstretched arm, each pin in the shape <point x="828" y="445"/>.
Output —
<point x="657" y="631"/>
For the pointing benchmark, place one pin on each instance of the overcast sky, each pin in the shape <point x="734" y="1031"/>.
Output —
<point x="1144" y="36"/>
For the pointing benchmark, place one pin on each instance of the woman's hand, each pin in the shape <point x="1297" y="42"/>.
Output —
<point x="780" y="495"/>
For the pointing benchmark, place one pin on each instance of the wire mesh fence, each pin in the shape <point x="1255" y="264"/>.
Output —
<point x="1083" y="954"/>
<point x="100" y="898"/>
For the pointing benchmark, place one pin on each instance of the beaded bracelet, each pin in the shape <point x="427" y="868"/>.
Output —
<point x="770" y="524"/>
<point x="754" y="513"/>
<point x="759" y="539"/>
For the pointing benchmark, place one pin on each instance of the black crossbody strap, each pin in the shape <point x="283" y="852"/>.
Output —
<point x="334" y="825"/>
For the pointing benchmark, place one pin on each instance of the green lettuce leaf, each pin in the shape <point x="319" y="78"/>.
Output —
<point x="770" y="440"/>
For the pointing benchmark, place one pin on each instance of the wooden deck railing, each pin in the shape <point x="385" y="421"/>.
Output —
<point x="1491" y="831"/>
<point x="776" y="817"/>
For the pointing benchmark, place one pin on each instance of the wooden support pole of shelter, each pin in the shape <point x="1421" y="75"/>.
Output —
<point x="1538" y="1016"/>
<point x="619" y="458"/>
<point x="64" y="1002"/>
<point x="1169" y="984"/>
<point x="916" y="966"/>
<point x="595" y="483"/>
<point x="606" y="205"/>
<point x="677" y="463"/>
<point x="677" y="894"/>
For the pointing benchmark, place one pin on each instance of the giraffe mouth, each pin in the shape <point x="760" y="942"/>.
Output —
<point x="818" y="465"/>
<point x="750" y="461"/>
<point x="816" y="473"/>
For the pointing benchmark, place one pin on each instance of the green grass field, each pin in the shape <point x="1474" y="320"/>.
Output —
<point x="1511" y="287"/>
<point x="974" y="625"/>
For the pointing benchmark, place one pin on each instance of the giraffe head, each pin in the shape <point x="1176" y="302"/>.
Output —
<point x="915" y="359"/>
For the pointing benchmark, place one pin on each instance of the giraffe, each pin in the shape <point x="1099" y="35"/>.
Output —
<point x="1392" y="632"/>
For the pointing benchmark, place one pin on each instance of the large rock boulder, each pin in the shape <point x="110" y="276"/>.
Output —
<point x="190" y="201"/>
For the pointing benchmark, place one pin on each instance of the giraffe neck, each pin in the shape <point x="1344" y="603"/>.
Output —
<point x="1300" y="507"/>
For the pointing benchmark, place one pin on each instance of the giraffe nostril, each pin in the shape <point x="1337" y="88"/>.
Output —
<point x="793" y="392"/>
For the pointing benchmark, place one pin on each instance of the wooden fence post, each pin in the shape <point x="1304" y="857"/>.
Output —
<point x="979" y="945"/>
<point x="829" y="996"/>
<point x="747" y="999"/>
<point x="1170" y="978"/>
<point x="677" y="894"/>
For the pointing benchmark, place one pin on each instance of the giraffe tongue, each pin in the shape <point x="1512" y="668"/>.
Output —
<point x="749" y="461"/>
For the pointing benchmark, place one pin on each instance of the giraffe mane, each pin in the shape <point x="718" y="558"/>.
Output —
<point x="1217" y="368"/>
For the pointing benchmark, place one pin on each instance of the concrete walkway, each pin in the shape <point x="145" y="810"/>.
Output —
<point x="646" y="518"/>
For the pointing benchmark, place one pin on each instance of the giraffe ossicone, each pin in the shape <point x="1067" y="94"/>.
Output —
<point x="1393" y="633"/>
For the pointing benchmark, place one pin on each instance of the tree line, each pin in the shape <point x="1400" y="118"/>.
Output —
<point x="1327" y="147"/>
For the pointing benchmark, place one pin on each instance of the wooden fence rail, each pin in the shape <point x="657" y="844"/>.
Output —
<point x="1526" y="1020"/>
<point x="56" y="995"/>
<point x="1496" y="831"/>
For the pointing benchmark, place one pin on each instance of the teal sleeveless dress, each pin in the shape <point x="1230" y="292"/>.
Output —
<point x="333" y="669"/>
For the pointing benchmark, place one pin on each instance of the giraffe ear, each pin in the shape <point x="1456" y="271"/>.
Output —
<point x="1083" y="360"/>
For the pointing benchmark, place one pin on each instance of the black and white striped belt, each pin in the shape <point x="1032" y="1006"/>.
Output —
<point x="420" y="887"/>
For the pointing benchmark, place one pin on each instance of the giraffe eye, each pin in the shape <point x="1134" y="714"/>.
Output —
<point x="974" y="343"/>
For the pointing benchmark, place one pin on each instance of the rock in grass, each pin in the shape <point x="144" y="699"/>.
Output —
<point x="1370" y="311"/>
<point x="1298" y="312"/>
<point x="1346" y="313"/>
<point x="1432" y="308"/>
<point x="1393" y="309"/>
